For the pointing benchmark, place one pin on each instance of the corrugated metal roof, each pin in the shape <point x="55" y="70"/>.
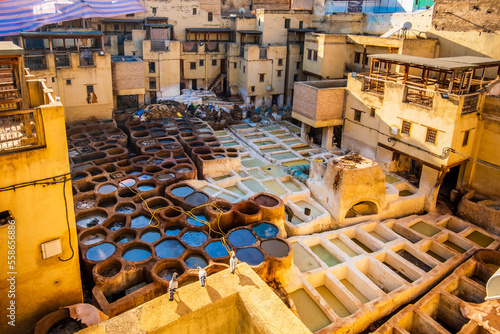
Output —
<point x="61" y="34"/>
<point x="473" y="60"/>
<point x="208" y="29"/>
<point x="250" y="32"/>
<point x="439" y="63"/>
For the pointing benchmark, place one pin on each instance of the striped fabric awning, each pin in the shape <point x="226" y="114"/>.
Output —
<point x="17" y="16"/>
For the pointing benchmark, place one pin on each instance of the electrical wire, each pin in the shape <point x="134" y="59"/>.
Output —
<point x="67" y="222"/>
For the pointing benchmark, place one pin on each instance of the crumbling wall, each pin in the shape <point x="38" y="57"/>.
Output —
<point x="275" y="4"/>
<point x="466" y="15"/>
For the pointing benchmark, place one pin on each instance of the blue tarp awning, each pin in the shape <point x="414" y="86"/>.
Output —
<point x="18" y="16"/>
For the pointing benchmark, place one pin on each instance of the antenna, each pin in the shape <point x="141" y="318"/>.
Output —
<point x="242" y="10"/>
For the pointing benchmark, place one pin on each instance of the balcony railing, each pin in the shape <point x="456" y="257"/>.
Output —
<point x="20" y="130"/>
<point x="87" y="59"/>
<point x="373" y="85"/>
<point x="211" y="47"/>
<point x="160" y="45"/>
<point x="420" y="96"/>
<point x="190" y="47"/>
<point x="62" y="59"/>
<point x="35" y="62"/>
<point x="470" y="104"/>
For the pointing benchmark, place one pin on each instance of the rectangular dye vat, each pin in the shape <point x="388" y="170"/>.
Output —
<point x="303" y="260"/>
<point x="326" y="256"/>
<point x="309" y="312"/>
<point x="333" y="302"/>
<point x="249" y="163"/>
<point x="354" y="282"/>
<point x="380" y="275"/>
<point x="274" y="187"/>
<point x="343" y="247"/>
<point x="283" y="156"/>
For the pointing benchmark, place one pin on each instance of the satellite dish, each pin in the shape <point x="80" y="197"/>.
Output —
<point x="407" y="26"/>
<point x="242" y="10"/>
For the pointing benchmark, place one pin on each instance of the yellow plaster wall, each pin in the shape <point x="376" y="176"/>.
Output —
<point x="167" y="68"/>
<point x="239" y="303"/>
<point x="42" y="285"/>
<point x="272" y="24"/>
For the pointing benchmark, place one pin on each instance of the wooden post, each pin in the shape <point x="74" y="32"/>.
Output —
<point x="364" y="59"/>
<point x="407" y="69"/>
<point x="50" y="43"/>
<point x="452" y="79"/>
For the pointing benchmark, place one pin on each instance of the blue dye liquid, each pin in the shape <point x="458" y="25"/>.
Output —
<point x="127" y="182"/>
<point x="265" y="230"/>
<point x="134" y="172"/>
<point x="92" y="220"/>
<point x="172" y="230"/>
<point x="145" y="187"/>
<point x="196" y="199"/>
<point x="195" y="261"/>
<point x="241" y="238"/>
<point x="136" y="254"/>
<point x="106" y="189"/>
<point x="157" y="133"/>
<point x="182" y="191"/>
<point x="186" y="130"/>
<point x="116" y="226"/>
<point x="166" y="176"/>
<point x="100" y="252"/>
<point x="123" y="239"/>
<point x="194" y="239"/>
<point x="152" y="150"/>
<point x="194" y="222"/>
<point x="139" y="222"/>
<point x="169" y="249"/>
<point x="166" y="140"/>
<point x="150" y="237"/>
<point x="216" y="249"/>
<point x="145" y="177"/>
<point x="252" y="256"/>
<point x="125" y="209"/>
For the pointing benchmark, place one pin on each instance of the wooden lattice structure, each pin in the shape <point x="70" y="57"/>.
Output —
<point x="13" y="94"/>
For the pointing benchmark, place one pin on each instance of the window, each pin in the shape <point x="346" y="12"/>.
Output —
<point x="431" y="136"/>
<point x="68" y="81"/>
<point x="309" y="54"/>
<point x="259" y="22"/>
<point x="315" y="55"/>
<point x="287" y="23"/>
<point x="252" y="89"/>
<point x="214" y="62"/>
<point x="117" y="27"/>
<point x="466" y="138"/>
<point x="210" y="17"/>
<point x="357" y="57"/>
<point x="357" y="115"/>
<point x="405" y="128"/>
<point x="234" y="65"/>
<point x="99" y="27"/>
<point x="244" y="68"/>
<point x="152" y="67"/>
<point x="90" y="89"/>
<point x="301" y="24"/>
<point x="153" y="9"/>
<point x="372" y="112"/>
<point x="280" y="62"/>
<point x="192" y="65"/>
<point x="279" y="73"/>
<point x="194" y="11"/>
<point x="261" y="77"/>
<point x="295" y="77"/>
<point x="152" y="83"/>
<point x="201" y="62"/>
<point x="53" y="79"/>
<point x="297" y="66"/>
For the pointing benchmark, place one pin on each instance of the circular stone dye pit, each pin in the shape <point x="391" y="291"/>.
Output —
<point x="100" y="252"/>
<point x="251" y="255"/>
<point x="241" y="238"/>
<point x="264" y="230"/>
<point x="216" y="250"/>
<point x="276" y="248"/>
<point x="169" y="249"/>
<point x="136" y="254"/>
<point x="194" y="239"/>
<point x="195" y="261"/>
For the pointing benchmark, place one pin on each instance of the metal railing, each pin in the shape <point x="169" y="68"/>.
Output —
<point x="20" y="130"/>
<point x="35" y="62"/>
<point x="62" y="59"/>
<point x="160" y="45"/>
<point x="420" y="96"/>
<point x="470" y="103"/>
<point x="87" y="59"/>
